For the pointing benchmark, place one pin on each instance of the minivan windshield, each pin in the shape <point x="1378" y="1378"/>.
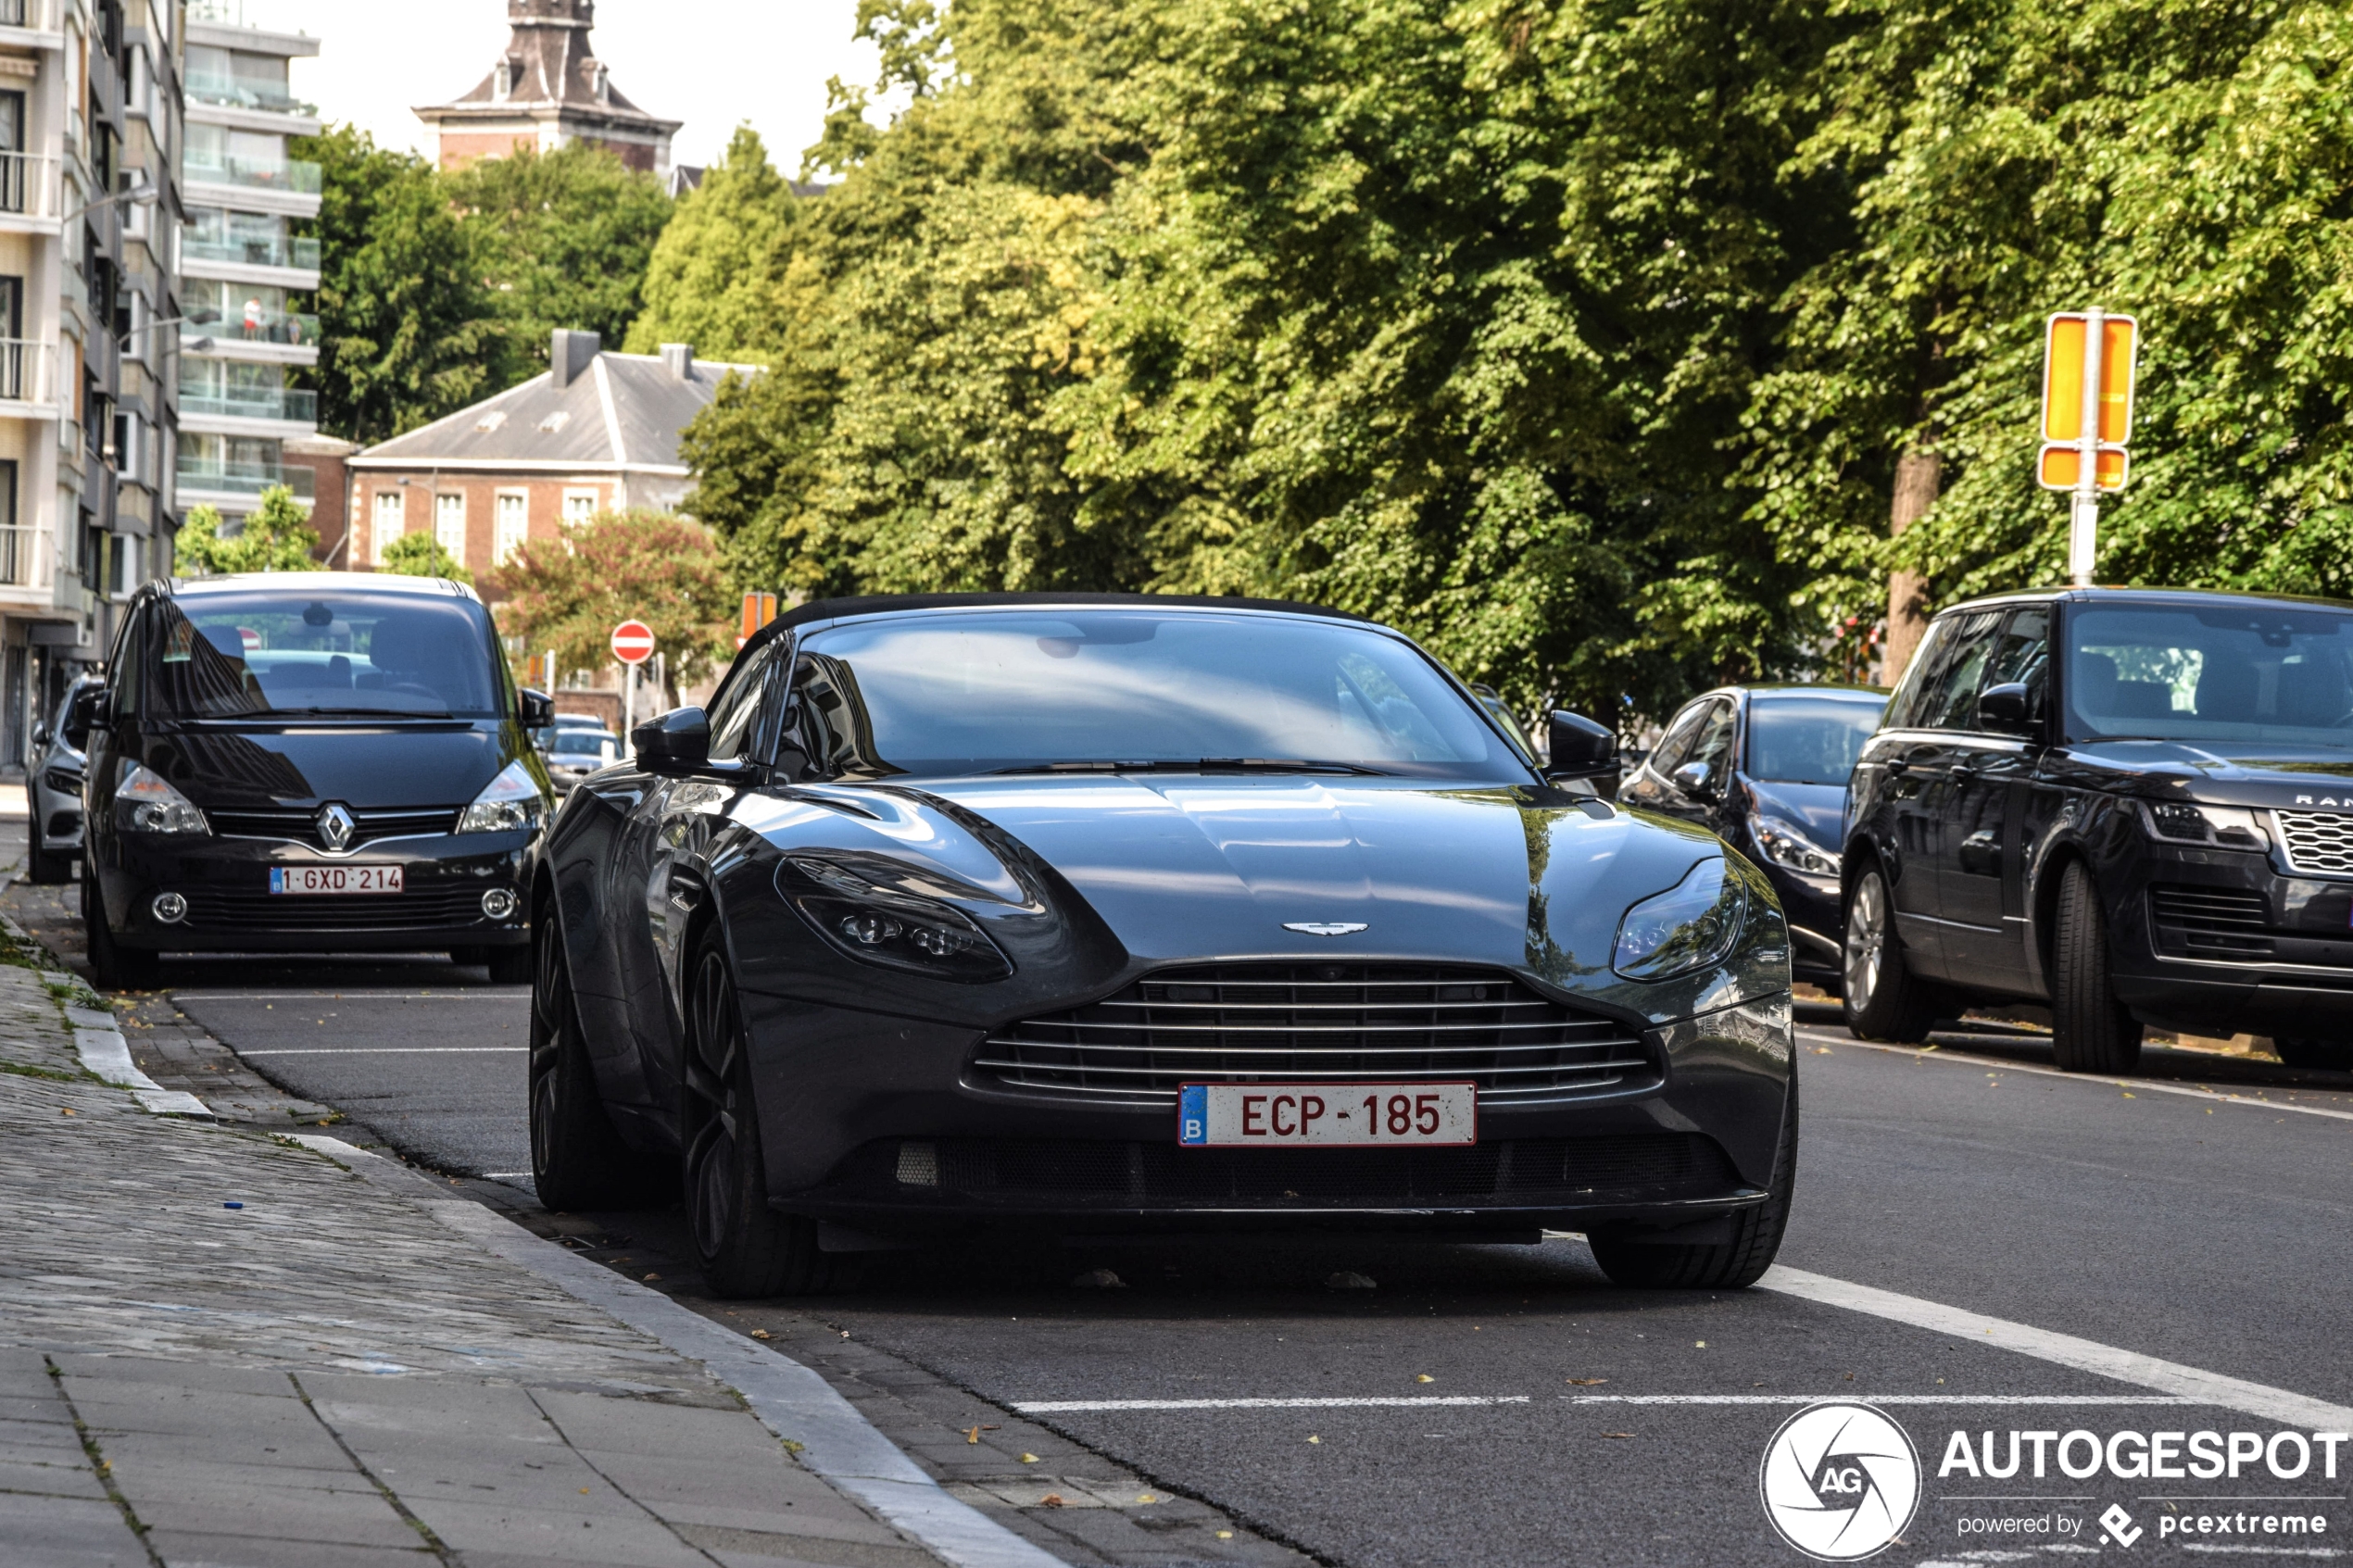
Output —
<point x="1807" y="739"/>
<point x="1018" y="691"/>
<point x="246" y="655"/>
<point x="2218" y="674"/>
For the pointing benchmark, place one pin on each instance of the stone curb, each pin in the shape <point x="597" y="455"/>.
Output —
<point x="107" y="1055"/>
<point x="795" y="1403"/>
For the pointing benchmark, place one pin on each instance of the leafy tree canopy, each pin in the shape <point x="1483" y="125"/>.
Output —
<point x="561" y="238"/>
<point x="421" y="554"/>
<point x="276" y="537"/>
<point x="720" y="277"/>
<point x="568" y="594"/>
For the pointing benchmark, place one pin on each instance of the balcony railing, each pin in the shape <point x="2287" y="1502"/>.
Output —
<point x="28" y="184"/>
<point x="22" y="546"/>
<point x="291" y="175"/>
<point x="290" y="327"/>
<point x="24" y="370"/>
<point x="232" y="12"/>
<point x="244" y="479"/>
<point x="251" y="403"/>
<point x="233" y="93"/>
<point x="279" y="251"/>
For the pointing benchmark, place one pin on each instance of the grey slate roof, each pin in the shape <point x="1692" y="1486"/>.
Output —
<point x="632" y="398"/>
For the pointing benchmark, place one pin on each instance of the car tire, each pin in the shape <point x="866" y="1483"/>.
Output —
<point x="578" y="1159"/>
<point x="1732" y="1265"/>
<point x="510" y="966"/>
<point x="43" y="866"/>
<point x="2325" y="1055"/>
<point x="113" y="966"/>
<point x="745" y="1247"/>
<point x="2091" y="1031"/>
<point x="1882" y="998"/>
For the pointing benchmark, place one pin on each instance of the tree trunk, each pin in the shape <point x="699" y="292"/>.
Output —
<point x="1917" y="473"/>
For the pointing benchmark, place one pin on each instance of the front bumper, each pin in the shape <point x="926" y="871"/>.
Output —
<point x="226" y="884"/>
<point x="2219" y="942"/>
<point x="879" y="1123"/>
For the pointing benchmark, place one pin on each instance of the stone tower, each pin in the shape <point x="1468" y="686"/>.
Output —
<point x="547" y="90"/>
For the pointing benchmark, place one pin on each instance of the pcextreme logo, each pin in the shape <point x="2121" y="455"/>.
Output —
<point x="1840" y="1482"/>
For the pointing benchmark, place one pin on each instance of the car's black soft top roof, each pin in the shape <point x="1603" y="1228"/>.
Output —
<point x="879" y="604"/>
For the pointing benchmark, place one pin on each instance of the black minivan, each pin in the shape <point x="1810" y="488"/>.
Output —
<point x="310" y="762"/>
<point x="2134" y="804"/>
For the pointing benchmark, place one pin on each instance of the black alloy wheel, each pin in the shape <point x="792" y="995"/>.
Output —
<point x="2325" y="1055"/>
<point x="113" y="966"/>
<point x="2091" y="1031"/>
<point x="1883" y="999"/>
<point x="578" y="1159"/>
<point x="746" y="1248"/>
<point x="1726" y="1265"/>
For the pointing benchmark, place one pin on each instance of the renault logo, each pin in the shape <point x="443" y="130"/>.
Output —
<point x="335" y="826"/>
<point x="1325" y="927"/>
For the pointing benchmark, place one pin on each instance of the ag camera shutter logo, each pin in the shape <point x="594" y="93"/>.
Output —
<point x="1840" y="1482"/>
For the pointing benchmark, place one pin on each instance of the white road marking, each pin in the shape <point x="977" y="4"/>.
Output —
<point x="390" y="1050"/>
<point x="2194" y="1383"/>
<point x="2135" y="1085"/>
<point x="514" y="994"/>
<point x="2140" y="1399"/>
<point x="1415" y="1401"/>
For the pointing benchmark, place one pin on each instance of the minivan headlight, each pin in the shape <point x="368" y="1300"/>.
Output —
<point x="1785" y="844"/>
<point x="890" y="926"/>
<point x="1692" y="925"/>
<point x="2227" y="827"/>
<point x="146" y="803"/>
<point x="511" y="802"/>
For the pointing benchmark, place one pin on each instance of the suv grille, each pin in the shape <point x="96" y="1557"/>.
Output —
<point x="2318" y="841"/>
<point x="298" y="824"/>
<point x="2211" y="922"/>
<point x="1241" y="1024"/>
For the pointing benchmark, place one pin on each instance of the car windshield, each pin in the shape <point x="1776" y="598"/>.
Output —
<point x="1811" y="740"/>
<point x="2219" y="672"/>
<point x="233" y="656"/>
<point x="988" y="690"/>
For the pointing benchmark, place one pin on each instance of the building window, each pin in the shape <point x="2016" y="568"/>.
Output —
<point x="514" y="524"/>
<point x="579" y="506"/>
<point x="392" y="521"/>
<point x="450" y="523"/>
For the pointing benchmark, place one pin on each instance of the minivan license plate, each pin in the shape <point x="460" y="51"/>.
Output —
<point x="335" y="879"/>
<point x="1326" y="1115"/>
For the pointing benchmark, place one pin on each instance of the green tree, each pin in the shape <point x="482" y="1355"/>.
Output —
<point x="276" y="537"/>
<point x="568" y="594"/>
<point x="718" y="277"/>
<point x="561" y="238"/>
<point x="423" y="555"/>
<point x="407" y="329"/>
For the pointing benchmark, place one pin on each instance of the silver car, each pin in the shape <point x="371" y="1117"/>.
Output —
<point x="53" y="791"/>
<point x="573" y="754"/>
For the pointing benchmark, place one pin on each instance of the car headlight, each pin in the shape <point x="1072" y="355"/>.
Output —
<point x="512" y="801"/>
<point x="872" y="914"/>
<point x="1692" y="925"/>
<point x="62" y="781"/>
<point x="145" y="802"/>
<point x="1785" y="844"/>
<point x="2227" y="827"/>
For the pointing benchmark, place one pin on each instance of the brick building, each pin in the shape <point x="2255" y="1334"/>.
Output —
<point x="548" y="91"/>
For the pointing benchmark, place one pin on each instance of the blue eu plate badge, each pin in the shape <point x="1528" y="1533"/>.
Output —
<point x="277" y="879"/>
<point x="1193" y="1114"/>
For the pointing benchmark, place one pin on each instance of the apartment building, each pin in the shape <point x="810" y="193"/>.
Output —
<point x="243" y="273"/>
<point x="90" y="137"/>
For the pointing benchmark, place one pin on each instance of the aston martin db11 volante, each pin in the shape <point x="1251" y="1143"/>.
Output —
<point x="1117" y="914"/>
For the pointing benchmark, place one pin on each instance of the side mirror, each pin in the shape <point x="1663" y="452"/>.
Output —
<point x="41" y="732"/>
<point x="538" y="709"/>
<point x="1694" y="780"/>
<point x="1580" y="748"/>
<point x="2006" y="710"/>
<point x="87" y="708"/>
<point x="675" y="742"/>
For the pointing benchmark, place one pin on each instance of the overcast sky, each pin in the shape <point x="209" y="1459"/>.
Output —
<point x="712" y="63"/>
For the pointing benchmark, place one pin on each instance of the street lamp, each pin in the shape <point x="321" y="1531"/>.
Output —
<point x="140" y="190"/>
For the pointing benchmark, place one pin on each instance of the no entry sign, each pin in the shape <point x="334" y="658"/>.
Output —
<point x="633" y="642"/>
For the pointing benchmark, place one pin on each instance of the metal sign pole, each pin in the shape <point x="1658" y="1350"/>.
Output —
<point x="2082" y="541"/>
<point x="628" y="700"/>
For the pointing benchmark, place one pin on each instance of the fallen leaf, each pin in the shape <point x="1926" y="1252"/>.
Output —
<point x="1699" y="1344"/>
<point x="1224" y="1535"/>
<point x="1618" y="1434"/>
<point x="761" y="1333"/>
<point x="1314" y="1440"/>
<point x="2129" y="1095"/>
<point x="1424" y="1377"/>
<point x="650" y="1278"/>
<point x="1589" y="1382"/>
<point x="972" y="1436"/>
<point x="1052" y="1499"/>
<point x="65" y="1112"/>
<point x="1029" y="1459"/>
<point x="844" y="1333"/>
<point x="1146" y="1497"/>
<point x="584" y="1491"/>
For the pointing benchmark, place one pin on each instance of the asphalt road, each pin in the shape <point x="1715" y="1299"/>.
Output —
<point x="2195" y="1213"/>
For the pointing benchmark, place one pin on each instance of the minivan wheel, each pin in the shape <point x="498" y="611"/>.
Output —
<point x="510" y="966"/>
<point x="2091" y="1031"/>
<point x="746" y="1247"/>
<point x="1883" y="1001"/>
<point x="577" y="1161"/>
<point x="113" y="966"/>
<point x="1732" y="1265"/>
<point x="2325" y="1056"/>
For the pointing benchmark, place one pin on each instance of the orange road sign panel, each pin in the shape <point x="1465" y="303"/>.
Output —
<point x="2063" y="465"/>
<point x="2063" y="367"/>
<point x="759" y="610"/>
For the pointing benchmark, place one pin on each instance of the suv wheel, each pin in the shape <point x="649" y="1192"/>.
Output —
<point x="1732" y="1265"/>
<point x="2091" y="1031"/>
<point x="1884" y="1000"/>
<point x="577" y="1161"/>
<point x="2327" y="1056"/>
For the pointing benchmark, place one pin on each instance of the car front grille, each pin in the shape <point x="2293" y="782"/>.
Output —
<point x="1609" y="1167"/>
<point x="2318" y="841"/>
<point x="211" y="909"/>
<point x="1313" y="1023"/>
<point x="2211" y="922"/>
<point x="299" y="825"/>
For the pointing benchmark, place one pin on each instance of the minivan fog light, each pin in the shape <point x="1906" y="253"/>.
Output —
<point x="499" y="903"/>
<point x="170" y="907"/>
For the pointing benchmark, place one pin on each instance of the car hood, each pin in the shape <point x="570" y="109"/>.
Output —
<point x="1186" y="867"/>
<point x="2250" y="773"/>
<point x="364" y="767"/>
<point x="1819" y="810"/>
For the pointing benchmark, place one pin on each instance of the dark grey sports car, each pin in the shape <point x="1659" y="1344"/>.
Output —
<point x="1113" y="914"/>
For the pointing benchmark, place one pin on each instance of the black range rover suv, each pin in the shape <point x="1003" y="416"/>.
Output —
<point x="2134" y="804"/>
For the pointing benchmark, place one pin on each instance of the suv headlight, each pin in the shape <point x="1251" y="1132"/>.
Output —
<point x="1785" y="844"/>
<point x="2227" y="827"/>
<point x="511" y="802"/>
<point x="1692" y="925"/>
<point x="890" y="925"/>
<point x="146" y="803"/>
